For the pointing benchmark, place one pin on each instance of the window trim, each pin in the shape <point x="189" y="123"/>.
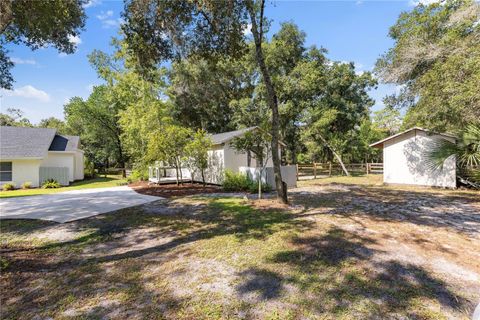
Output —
<point x="7" y="171"/>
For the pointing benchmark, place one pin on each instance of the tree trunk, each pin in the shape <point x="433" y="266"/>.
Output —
<point x="335" y="154"/>
<point x="203" y="178"/>
<point x="180" y="169"/>
<point x="176" y="171"/>
<point x="260" y="186"/>
<point x="249" y="158"/>
<point x="120" y="155"/>
<point x="272" y="101"/>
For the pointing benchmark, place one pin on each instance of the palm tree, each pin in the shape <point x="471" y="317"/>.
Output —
<point x="467" y="152"/>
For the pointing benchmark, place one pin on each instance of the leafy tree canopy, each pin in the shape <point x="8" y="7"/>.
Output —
<point x="436" y="60"/>
<point x="14" y="118"/>
<point x="37" y="24"/>
<point x="54" y="123"/>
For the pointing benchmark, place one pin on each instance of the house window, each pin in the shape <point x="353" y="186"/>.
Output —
<point x="5" y="171"/>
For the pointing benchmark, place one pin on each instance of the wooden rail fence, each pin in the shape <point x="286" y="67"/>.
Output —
<point x="328" y="169"/>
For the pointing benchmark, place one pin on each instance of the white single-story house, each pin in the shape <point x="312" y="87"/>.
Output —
<point x="404" y="159"/>
<point x="37" y="154"/>
<point x="223" y="156"/>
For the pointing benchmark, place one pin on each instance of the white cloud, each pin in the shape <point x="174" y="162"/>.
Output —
<point x="62" y="54"/>
<point x="22" y="61"/>
<point x="107" y="20"/>
<point x="92" y="3"/>
<point x="105" y="15"/>
<point x="247" y="30"/>
<point x="74" y="39"/>
<point x="360" y="68"/>
<point x="359" y="2"/>
<point x="29" y="92"/>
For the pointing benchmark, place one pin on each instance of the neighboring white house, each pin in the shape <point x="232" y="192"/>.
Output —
<point x="37" y="154"/>
<point x="223" y="156"/>
<point x="404" y="159"/>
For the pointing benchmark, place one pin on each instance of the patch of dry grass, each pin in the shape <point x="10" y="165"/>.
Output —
<point x="338" y="252"/>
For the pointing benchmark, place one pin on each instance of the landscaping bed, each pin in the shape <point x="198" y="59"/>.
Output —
<point x="172" y="189"/>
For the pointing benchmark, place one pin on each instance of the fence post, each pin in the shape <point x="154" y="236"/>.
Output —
<point x="297" y="171"/>
<point x="314" y="170"/>
<point x="367" y="167"/>
<point x="329" y="169"/>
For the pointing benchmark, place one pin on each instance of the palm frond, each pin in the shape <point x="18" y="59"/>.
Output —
<point x="466" y="150"/>
<point x="439" y="151"/>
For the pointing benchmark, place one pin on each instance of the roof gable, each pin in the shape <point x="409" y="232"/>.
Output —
<point x="64" y="143"/>
<point x="379" y="144"/>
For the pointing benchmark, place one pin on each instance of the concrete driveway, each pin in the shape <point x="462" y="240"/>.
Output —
<point x="72" y="205"/>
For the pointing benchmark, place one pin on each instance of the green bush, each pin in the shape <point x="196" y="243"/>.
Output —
<point x="89" y="169"/>
<point x="8" y="186"/>
<point x="138" y="175"/>
<point x="50" y="184"/>
<point x="26" y="185"/>
<point x="4" y="264"/>
<point x="253" y="187"/>
<point x="241" y="182"/>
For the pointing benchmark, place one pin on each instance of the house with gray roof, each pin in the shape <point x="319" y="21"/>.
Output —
<point x="222" y="157"/>
<point x="37" y="154"/>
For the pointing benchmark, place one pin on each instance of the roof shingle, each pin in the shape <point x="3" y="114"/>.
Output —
<point x="24" y="142"/>
<point x="20" y="142"/>
<point x="227" y="136"/>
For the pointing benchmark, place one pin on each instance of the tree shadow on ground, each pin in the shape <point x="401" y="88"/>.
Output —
<point x="336" y="271"/>
<point x="265" y="284"/>
<point x="450" y="211"/>
<point x="65" y="265"/>
<point x="191" y="223"/>
<point x="90" y="291"/>
<point x="23" y="226"/>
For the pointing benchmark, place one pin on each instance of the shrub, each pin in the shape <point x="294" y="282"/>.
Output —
<point x="8" y="186"/>
<point x="138" y="175"/>
<point x="253" y="187"/>
<point x="236" y="181"/>
<point x="50" y="184"/>
<point x="241" y="182"/>
<point x="3" y="264"/>
<point x="26" y="185"/>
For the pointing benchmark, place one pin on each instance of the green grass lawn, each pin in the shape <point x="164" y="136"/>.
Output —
<point x="336" y="253"/>
<point x="99" y="182"/>
<point x="371" y="179"/>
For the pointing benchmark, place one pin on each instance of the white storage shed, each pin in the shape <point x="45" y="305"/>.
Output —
<point x="404" y="159"/>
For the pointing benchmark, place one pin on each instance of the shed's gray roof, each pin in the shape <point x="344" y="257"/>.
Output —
<point x="22" y="142"/>
<point x="227" y="136"/>
<point x="379" y="144"/>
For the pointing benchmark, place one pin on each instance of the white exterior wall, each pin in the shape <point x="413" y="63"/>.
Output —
<point x="216" y="165"/>
<point x="25" y="171"/>
<point x="63" y="159"/>
<point x="233" y="158"/>
<point x="79" y="166"/>
<point x="289" y="175"/>
<point x="404" y="163"/>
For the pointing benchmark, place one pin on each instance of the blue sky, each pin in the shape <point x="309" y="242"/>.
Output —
<point x="354" y="31"/>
